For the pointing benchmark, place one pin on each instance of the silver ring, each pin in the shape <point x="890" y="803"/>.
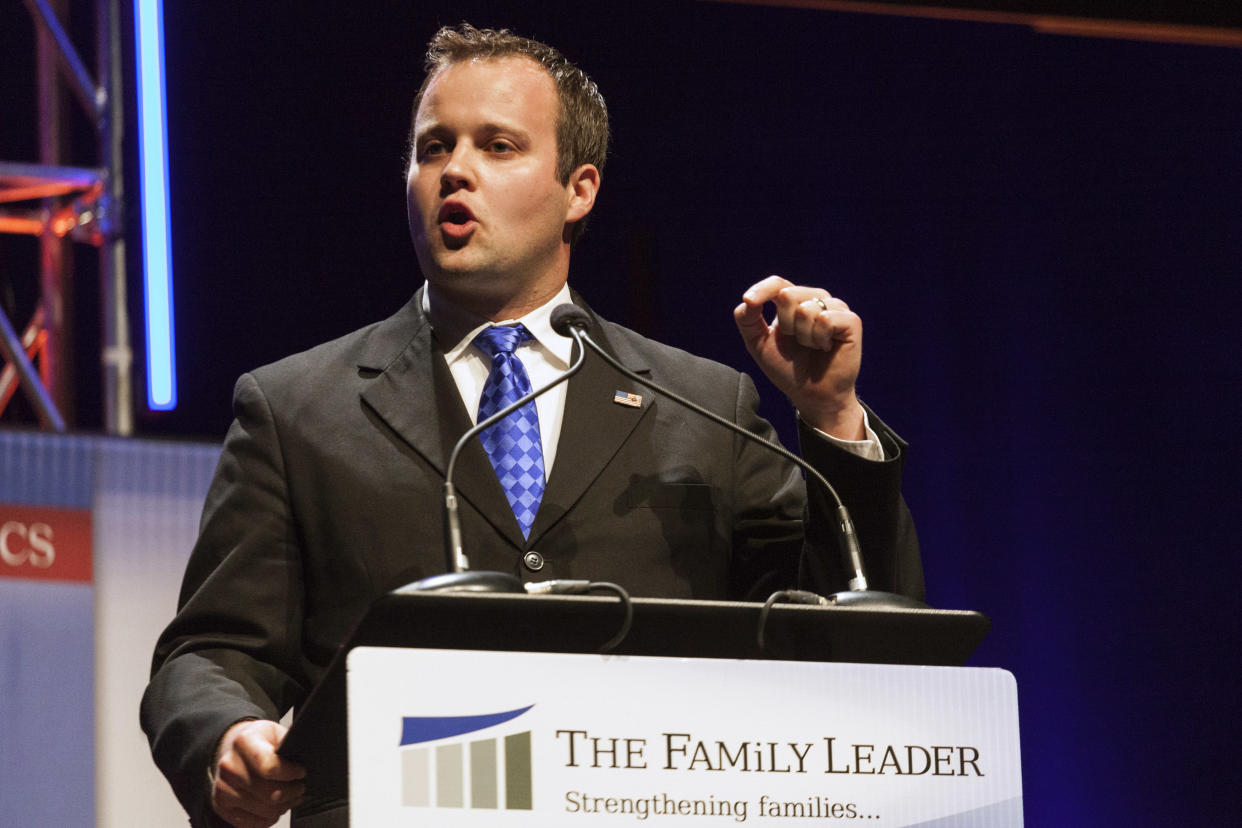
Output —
<point x="822" y="304"/>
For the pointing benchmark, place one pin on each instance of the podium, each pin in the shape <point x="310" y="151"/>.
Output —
<point x="465" y="709"/>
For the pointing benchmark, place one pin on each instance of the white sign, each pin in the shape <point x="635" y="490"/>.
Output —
<point x="463" y="738"/>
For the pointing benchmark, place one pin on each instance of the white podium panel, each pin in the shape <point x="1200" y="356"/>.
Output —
<point x="464" y="738"/>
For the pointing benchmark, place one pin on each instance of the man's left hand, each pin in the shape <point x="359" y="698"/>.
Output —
<point x="811" y="351"/>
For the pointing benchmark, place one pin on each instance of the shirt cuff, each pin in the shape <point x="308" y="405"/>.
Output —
<point x="868" y="448"/>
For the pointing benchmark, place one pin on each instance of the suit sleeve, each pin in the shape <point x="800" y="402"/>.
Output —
<point x="871" y="491"/>
<point x="785" y="534"/>
<point x="233" y="650"/>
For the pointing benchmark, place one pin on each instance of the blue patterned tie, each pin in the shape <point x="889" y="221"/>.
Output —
<point x="513" y="444"/>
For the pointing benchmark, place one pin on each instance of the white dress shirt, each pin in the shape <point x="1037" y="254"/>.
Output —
<point x="545" y="356"/>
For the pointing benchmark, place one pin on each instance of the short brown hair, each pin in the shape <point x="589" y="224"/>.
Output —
<point x="582" y="132"/>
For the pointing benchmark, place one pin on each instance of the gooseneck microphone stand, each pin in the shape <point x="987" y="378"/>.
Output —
<point x="571" y="320"/>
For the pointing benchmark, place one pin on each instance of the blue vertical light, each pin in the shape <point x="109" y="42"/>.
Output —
<point x="156" y="227"/>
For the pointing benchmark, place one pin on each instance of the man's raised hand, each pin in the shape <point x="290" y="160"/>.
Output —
<point x="811" y="350"/>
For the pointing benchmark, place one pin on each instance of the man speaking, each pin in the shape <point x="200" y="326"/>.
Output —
<point x="327" y="491"/>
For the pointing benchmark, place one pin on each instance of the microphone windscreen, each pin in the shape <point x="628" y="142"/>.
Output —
<point x="568" y="316"/>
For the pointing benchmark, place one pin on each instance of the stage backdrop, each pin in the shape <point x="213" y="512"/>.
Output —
<point x="94" y="535"/>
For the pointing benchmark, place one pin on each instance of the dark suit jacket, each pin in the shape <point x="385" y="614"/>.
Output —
<point x="328" y="494"/>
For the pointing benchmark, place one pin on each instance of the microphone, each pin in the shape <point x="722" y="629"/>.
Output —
<point x="571" y="320"/>
<point x="568" y="317"/>
<point x="458" y="577"/>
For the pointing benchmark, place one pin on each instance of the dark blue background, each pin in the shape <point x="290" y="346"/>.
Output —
<point x="1041" y="233"/>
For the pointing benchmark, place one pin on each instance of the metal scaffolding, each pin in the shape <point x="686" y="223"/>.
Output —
<point x="62" y="204"/>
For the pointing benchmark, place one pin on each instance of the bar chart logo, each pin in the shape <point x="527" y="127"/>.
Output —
<point x="486" y="773"/>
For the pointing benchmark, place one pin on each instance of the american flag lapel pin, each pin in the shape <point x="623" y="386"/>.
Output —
<point x="623" y="398"/>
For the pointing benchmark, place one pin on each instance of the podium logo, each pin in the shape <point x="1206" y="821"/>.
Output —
<point x="460" y="772"/>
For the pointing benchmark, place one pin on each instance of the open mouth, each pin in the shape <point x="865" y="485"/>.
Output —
<point x="457" y="223"/>
<point x="455" y="214"/>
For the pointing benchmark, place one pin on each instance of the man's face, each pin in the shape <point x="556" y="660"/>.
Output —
<point x="487" y="212"/>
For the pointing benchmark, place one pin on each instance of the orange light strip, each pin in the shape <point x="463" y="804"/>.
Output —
<point x="39" y="190"/>
<point x="27" y="224"/>
<point x="1042" y="23"/>
<point x="1125" y="30"/>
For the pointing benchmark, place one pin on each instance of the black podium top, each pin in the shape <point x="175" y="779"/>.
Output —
<point x="581" y="624"/>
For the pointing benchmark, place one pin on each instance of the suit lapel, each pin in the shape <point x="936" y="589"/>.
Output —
<point x="593" y="430"/>
<point x="414" y="394"/>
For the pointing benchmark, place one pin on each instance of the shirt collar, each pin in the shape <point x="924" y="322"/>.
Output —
<point x="455" y="328"/>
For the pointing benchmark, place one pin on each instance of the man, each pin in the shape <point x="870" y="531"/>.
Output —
<point x="323" y="498"/>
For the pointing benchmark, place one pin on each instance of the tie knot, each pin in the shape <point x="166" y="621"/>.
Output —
<point x="501" y="339"/>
